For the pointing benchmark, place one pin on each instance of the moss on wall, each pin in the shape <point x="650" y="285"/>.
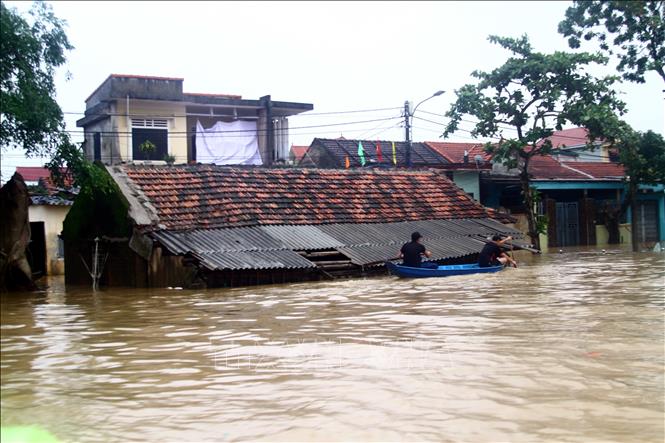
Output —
<point x="100" y="209"/>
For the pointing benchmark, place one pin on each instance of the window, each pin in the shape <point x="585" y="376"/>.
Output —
<point x="153" y="130"/>
<point x="150" y="123"/>
<point x="97" y="146"/>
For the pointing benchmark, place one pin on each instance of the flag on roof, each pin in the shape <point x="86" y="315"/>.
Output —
<point x="361" y="153"/>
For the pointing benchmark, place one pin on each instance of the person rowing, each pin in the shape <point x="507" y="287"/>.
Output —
<point x="493" y="255"/>
<point x="411" y="252"/>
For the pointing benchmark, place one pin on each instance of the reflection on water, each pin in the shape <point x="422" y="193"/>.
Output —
<point x="568" y="347"/>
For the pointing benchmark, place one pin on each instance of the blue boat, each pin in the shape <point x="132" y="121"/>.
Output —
<point x="439" y="271"/>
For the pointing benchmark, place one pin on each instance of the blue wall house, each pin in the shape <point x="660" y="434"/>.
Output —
<point x="575" y="195"/>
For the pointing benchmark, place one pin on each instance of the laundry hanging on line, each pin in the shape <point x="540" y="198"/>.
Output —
<point x="234" y="143"/>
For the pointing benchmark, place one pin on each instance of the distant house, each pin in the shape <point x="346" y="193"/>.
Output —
<point x="466" y="162"/>
<point x="449" y="156"/>
<point x="334" y="153"/>
<point x="570" y="145"/>
<point x="297" y="153"/>
<point x="576" y="185"/>
<point x="207" y="225"/>
<point x="47" y="211"/>
<point x="125" y="111"/>
<point x="32" y="174"/>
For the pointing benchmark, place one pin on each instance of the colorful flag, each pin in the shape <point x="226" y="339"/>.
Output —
<point x="347" y="163"/>
<point x="378" y="151"/>
<point x="394" y="155"/>
<point x="361" y="153"/>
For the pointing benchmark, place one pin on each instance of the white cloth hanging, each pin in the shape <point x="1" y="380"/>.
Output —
<point x="234" y="143"/>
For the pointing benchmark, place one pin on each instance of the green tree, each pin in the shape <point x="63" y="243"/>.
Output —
<point x="30" y="52"/>
<point x="633" y="30"/>
<point x="533" y="94"/>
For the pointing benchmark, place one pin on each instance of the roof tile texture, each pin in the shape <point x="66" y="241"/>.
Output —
<point x="454" y="151"/>
<point x="209" y="196"/>
<point x="548" y="168"/>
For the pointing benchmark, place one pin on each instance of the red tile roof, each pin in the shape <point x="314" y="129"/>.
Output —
<point x="43" y="177"/>
<point x="209" y="196"/>
<point x="547" y="168"/>
<point x="454" y="152"/>
<point x="299" y="152"/>
<point x="33" y="173"/>
<point x="599" y="170"/>
<point x="569" y="137"/>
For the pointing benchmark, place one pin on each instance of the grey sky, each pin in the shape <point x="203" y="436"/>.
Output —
<point x="336" y="55"/>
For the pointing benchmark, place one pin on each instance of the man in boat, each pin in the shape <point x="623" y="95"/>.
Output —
<point x="412" y="252"/>
<point x="493" y="255"/>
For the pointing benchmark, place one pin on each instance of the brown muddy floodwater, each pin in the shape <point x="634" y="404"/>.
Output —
<point x="568" y="347"/>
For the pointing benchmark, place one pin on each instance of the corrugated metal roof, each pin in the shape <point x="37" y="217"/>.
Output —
<point x="441" y="248"/>
<point x="301" y="237"/>
<point x="219" y="240"/>
<point x="272" y="247"/>
<point x="237" y="260"/>
<point x="397" y="233"/>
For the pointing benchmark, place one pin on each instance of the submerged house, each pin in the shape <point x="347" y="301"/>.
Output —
<point x="578" y="184"/>
<point x="207" y="225"/>
<point x="126" y="111"/>
<point x="49" y="205"/>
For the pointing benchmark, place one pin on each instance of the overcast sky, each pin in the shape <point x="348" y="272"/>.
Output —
<point x="338" y="56"/>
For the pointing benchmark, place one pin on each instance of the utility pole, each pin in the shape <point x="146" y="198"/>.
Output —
<point x="408" y="115"/>
<point x="407" y="132"/>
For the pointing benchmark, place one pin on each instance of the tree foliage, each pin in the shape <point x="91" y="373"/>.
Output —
<point x="99" y="194"/>
<point x="30" y="52"/>
<point x="643" y="156"/>
<point x="531" y="95"/>
<point x="633" y="30"/>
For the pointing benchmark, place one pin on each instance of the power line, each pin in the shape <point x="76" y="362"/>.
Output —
<point x="304" y="114"/>
<point x="236" y="131"/>
<point x="381" y="130"/>
<point x="504" y="126"/>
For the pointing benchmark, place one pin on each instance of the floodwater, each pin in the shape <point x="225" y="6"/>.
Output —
<point x="568" y="347"/>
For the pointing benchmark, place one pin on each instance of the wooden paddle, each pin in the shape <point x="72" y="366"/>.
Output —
<point x="511" y="255"/>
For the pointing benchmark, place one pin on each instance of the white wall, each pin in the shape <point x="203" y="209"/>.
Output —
<point x="52" y="216"/>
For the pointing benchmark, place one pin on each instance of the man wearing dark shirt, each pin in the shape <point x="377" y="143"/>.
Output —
<point x="492" y="255"/>
<point x="411" y="252"/>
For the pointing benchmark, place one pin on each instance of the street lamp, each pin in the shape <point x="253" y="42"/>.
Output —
<point x="408" y="122"/>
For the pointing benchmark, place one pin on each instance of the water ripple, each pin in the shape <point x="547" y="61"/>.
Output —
<point x="568" y="347"/>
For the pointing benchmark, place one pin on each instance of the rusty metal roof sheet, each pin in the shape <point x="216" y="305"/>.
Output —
<point x="239" y="260"/>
